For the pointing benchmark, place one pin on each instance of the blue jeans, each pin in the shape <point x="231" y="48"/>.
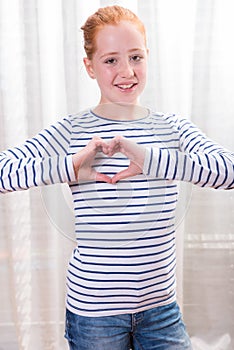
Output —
<point x="160" y="328"/>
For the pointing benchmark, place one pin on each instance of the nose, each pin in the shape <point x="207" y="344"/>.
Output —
<point x="126" y="70"/>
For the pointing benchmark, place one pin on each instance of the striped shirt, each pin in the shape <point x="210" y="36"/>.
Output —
<point x="125" y="257"/>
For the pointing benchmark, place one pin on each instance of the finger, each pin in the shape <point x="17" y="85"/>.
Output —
<point x="97" y="143"/>
<point x="114" y="146"/>
<point x="124" y="174"/>
<point x="101" y="145"/>
<point x="85" y="175"/>
<point x="105" y="148"/>
<point x="103" y="178"/>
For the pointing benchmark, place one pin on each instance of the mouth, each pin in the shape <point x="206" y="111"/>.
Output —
<point x="126" y="87"/>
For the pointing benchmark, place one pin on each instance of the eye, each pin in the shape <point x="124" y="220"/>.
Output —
<point x="110" y="60"/>
<point x="136" y="58"/>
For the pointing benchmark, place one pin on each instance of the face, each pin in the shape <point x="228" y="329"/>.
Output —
<point x="119" y="64"/>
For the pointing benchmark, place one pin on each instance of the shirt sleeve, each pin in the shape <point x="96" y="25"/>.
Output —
<point x="41" y="160"/>
<point x="198" y="160"/>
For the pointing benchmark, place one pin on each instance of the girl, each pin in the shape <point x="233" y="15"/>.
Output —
<point x="121" y="162"/>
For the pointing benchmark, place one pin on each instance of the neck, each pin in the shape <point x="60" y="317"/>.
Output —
<point x="121" y="111"/>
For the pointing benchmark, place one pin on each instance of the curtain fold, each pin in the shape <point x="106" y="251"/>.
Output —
<point x="42" y="79"/>
<point x="209" y="240"/>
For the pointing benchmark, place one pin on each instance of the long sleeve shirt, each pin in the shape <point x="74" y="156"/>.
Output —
<point x="125" y="257"/>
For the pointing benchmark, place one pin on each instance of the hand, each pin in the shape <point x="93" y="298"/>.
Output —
<point x="134" y="152"/>
<point x="83" y="161"/>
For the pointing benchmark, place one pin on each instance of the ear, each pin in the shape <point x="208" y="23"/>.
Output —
<point x="89" y="67"/>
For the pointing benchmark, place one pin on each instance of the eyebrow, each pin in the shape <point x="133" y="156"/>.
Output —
<point x="116" y="52"/>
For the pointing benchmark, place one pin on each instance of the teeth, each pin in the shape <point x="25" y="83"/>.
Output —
<point x="126" y="86"/>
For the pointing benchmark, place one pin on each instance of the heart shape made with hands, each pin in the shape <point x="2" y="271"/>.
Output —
<point x="83" y="160"/>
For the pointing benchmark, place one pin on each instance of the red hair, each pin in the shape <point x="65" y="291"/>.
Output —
<point x="110" y="15"/>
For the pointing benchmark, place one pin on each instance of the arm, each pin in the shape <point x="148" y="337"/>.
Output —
<point x="42" y="160"/>
<point x="199" y="160"/>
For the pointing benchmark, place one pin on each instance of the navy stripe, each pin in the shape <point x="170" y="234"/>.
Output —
<point x="67" y="172"/>
<point x="128" y="257"/>
<point x="122" y="302"/>
<point x="9" y="177"/>
<point x="34" y="173"/>
<point x="57" y="141"/>
<point x="58" y="170"/>
<point x="1" y="177"/>
<point x="48" y="143"/>
<point x="100" y="190"/>
<point x="129" y="205"/>
<point x="50" y="171"/>
<point x="226" y="171"/>
<point x="120" y="295"/>
<point x="176" y="165"/>
<point x="13" y="153"/>
<point x="79" y="215"/>
<point x="126" y="222"/>
<point x="172" y="266"/>
<point x="155" y="302"/>
<point x="43" y="147"/>
<point x="159" y="236"/>
<point x="42" y="174"/>
<point x="17" y="174"/>
<point x="126" y="231"/>
<point x="184" y="169"/>
<point x="159" y="162"/>
<point x="127" y="197"/>
<point x="34" y="146"/>
<point x="210" y="172"/>
<point x="148" y="238"/>
<point x="135" y="248"/>
<point x="29" y="150"/>
<point x="124" y="264"/>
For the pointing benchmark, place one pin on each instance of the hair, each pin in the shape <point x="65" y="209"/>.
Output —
<point x="110" y="15"/>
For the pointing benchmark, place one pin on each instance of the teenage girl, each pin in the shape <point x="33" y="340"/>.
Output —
<point x="121" y="161"/>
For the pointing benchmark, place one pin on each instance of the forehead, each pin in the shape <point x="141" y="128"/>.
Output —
<point x="120" y="36"/>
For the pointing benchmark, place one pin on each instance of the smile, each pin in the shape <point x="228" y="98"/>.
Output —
<point x="125" y="87"/>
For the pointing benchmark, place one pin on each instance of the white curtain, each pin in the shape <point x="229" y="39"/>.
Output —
<point x="42" y="79"/>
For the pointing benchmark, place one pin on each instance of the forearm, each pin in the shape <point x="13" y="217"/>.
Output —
<point x="204" y="170"/>
<point x="41" y="160"/>
<point x="24" y="173"/>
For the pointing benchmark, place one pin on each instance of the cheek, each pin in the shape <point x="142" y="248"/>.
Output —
<point x="142" y="69"/>
<point x="141" y="74"/>
<point x="105" y="76"/>
<point x="144" y="72"/>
